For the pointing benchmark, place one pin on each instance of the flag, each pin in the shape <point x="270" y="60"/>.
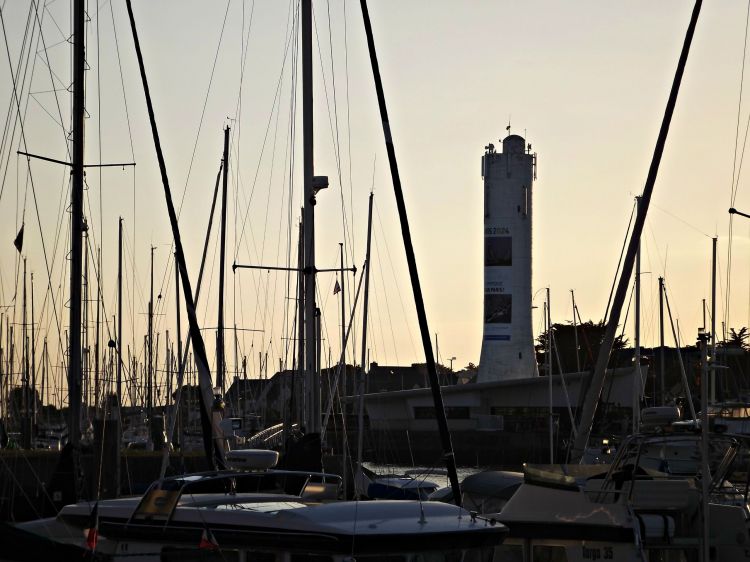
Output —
<point x="208" y="541"/>
<point x="18" y="242"/>
<point x="336" y="288"/>
<point x="93" y="531"/>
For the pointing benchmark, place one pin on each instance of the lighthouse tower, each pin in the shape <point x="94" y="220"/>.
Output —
<point x="507" y="344"/>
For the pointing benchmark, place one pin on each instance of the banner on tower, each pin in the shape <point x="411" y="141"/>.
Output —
<point x="498" y="308"/>
<point x="498" y="251"/>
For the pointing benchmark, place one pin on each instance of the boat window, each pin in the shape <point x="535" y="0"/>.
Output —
<point x="456" y="555"/>
<point x="451" y="412"/>
<point x="547" y="553"/>
<point x="675" y="455"/>
<point x="195" y="554"/>
<point x="509" y="552"/>
<point x="156" y="504"/>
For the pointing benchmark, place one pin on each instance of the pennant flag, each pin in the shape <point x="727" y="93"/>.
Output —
<point x="336" y="288"/>
<point x="93" y="531"/>
<point x="208" y="541"/>
<point x="18" y="242"/>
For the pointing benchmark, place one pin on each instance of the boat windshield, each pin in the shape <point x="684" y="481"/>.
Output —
<point x="159" y="502"/>
<point x="674" y="455"/>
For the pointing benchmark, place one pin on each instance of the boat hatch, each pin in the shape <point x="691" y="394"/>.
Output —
<point x="261" y="507"/>
<point x="541" y="477"/>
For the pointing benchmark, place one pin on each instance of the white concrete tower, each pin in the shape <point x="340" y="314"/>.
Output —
<point x="508" y="342"/>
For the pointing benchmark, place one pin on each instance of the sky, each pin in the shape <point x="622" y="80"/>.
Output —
<point x="585" y="83"/>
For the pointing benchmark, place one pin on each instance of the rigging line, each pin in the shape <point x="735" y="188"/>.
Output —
<point x="238" y="132"/>
<point x="736" y="170"/>
<point x="64" y="41"/>
<point x="56" y="80"/>
<point x="278" y="246"/>
<point x="122" y="83"/>
<point x="256" y="277"/>
<point x="268" y="202"/>
<point x="395" y="280"/>
<point x="619" y="262"/>
<point x="33" y="189"/>
<point x="388" y="307"/>
<point x="377" y="315"/>
<point x="288" y="157"/>
<point x="334" y="136"/>
<point x="347" y="232"/>
<point x="733" y="190"/>
<point x="350" y="253"/>
<point x="683" y="221"/>
<point x="203" y="111"/>
<point x="99" y="135"/>
<point x="100" y="294"/>
<point x="15" y="75"/>
<point x="132" y="154"/>
<point x="166" y="277"/>
<point x="348" y="124"/>
<point x="243" y="59"/>
<point x="731" y="218"/>
<point x="14" y="78"/>
<point x="66" y="38"/>
<point x="52" y="91"/>
<point x="289" y="183"/>
<point x="268" y="127"/>
<point x="54" y="120"/>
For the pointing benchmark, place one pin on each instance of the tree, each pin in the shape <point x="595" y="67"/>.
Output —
<point x="590" y="335"/>
<point x="737" y="339"/>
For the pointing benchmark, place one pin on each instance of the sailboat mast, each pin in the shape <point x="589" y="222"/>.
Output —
<point x="213" y="448"/>
<point x="311" y="371"/>
<point x="178" y="312"/>
<point x="97" y="342"/>
<point x="303" y="404"/>
<point x="661" y="339"/>
<point x="342" y="374"/>
<point x="150" y="374"/>
<point x="575" y="331"/>
<point x="33" y="361"/>
<point x="76" y="225"/>
<point x="119" y="313"/>
<point x="25" y="432"/>
<point x="548" y="322"/>
<point x="597" y="380"/>
<point x="637" y="373"/>
<point x="363" y="365"/>
<point x="437" y="397"/>
<point x="220" y="362"/>
<point x="713" y="317"/>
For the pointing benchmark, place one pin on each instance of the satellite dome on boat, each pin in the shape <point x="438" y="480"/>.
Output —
<point x="659" y="417"/>
<point x="252" y="459"/>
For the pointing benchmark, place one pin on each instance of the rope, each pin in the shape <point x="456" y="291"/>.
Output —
<point x="30" y="180"/>
<point x="619" y="261"/>
<point x="736" y="170"/>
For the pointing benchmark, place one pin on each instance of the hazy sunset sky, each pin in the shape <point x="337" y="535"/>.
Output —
<point x="586" y="82"/>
